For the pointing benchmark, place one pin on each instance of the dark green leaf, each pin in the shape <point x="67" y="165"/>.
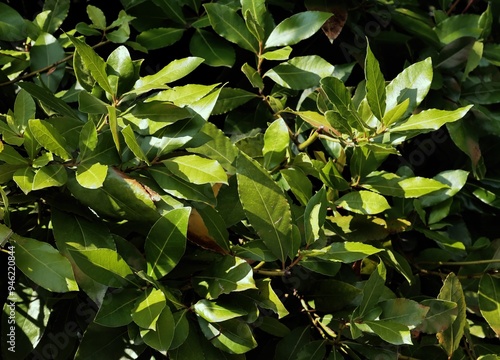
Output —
<point x="116" y="308"/>
<point x="160" y="37"/>
<point x="215" y="51"/>
<point x="233" y="336"/>
<point x="489" y="301"/>
<point x="12" y="26"/>
<point x="213" y="311"/>
<point x="375" y="85"/>
<point x="50" y="175"/>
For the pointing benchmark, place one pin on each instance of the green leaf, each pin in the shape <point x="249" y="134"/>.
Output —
<point x="392" y="332"/>
<point x="89" y="104"/>
<point x="375" y="85"/>
<point x="231" y="336"/>
<point x="10" y="156"/>
<point x="346" y="252"/>
<point x="88" y="139"/>
<point x="159" y="37"/>
<point x="440" y="316"/>
<point x="47" y="51"/>
<point x="175" y="70"/>
<point x="314" y="217"/>
<point x="301" y="72"/>
<point x="412" y="83"/>
<point x="24" y="110"/>
<point x="228" y="24"/>
<point x="181" y="332"/>
<point x="148" y="307"/>
<point x="278" y="54"/>
<point x="273" y="326"/>
<point x="105" y="266"/>
<point x="230" y="99"/>
<point x="363" y="202"/>
<point x="48" y="136"/>
<point x="133" y="145"/>
<point x="213" y="311"/>
<point x="254" y="250"/>
<point x="455" y="179"/>
<point x="182" y="189"/>
<point x="276" y="140"/>
<point x="12" y="26"/>
<point x="403" y="311"/>
<point x="333" y="295"/>
<point x="50" y="175"/>
<point x="230" y="274"/>
<point x="431" y="119"/>
<point x="183" y="95"/>
<point x="392" y="185"/>
<point x="215" y="51"/>
<point x="458" y="26"/>
<point x="450" y="338"/>
<point x="296" y="28"/>
<point x="91" y="176"/>
<point x="161" y="338"/>
<point x="116" y="308"/>
<point x="172" y="9"/>
<point x="288" y="347"/>
<point x="113" y="126"/>
<point x="47" y="98"/>
<point x="372" y="291"/>
<point x="24" y="179"/>
<point x="489" y="301"/>
<point x="219" y="147"/>
<point x="396" y="113"/>
<point x="121" y="65"/>
<point x="299" y="183"/>
<point x="315" y="350"/>
<point x="44" y="265"/>
<point x="253" y="76"/>
<point x="197" y="170"/>
<point x="94" y="63"/>
<point x="166" y="242"/>
<point x="97" y="17"/>
<point x="268" y="299"/>
<point x="266" y="206"/>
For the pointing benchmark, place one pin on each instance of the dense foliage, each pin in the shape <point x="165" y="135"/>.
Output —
<point x="250" y="179"/>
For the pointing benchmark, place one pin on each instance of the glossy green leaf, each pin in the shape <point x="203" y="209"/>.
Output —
<point x="233" y="336"/>
<point x="48" y="99"/>
<point x="290" y="345"/>
<point x="49" y="138"/>
<point x="91" y="176"/>
<point x="265" y="206"/>
<point x="432" y="119"/>
<point x="12" y="26"/>
<point x="254" y="250"/>
<point x="159" y="37"/>
<point x="458" y="26"/>
<point x="314" y="217"/>
<point x="180" y="188"/>
<point x="223" y="277"/>
<point x="213" y="311"/>
<point x="218" y="147"/>
<point x="175" y="70"/>
<point x="268" y="299"/>
<point x="489" y="301"/>
<point x="45" y="52"/>
<point x="121" y="65"/>
<point x="133" y="145"/>
<point x="10" y="156"/>
<point x="44" y="265"/>
<point x="97" y="17"/>
<point x="93" y="62"/>
<point x="24" y="110"/>
<point x="299" y="183"/>
<point x="215" y="51"/>
<point x="392" y="332"/>
<point x="230" y="99"/>
<point x="273" y="326"/>
<point x="301" y="72"/>
<point x="412" y="187"/>
<point x="181" y="331"/>
<point x="346" y="252"/>
<point x="147" y="308"/>
<point x="403" y="311"/>
<point x="105" y="266"/>
<point x="363" y="202"/>
<point x="89" y="104"/>
<point x="276" y="141"/>
<point x="172" y="9"/>
<point x="50" y="175"/>
<point x="228" y="24"/>
<point x="296" y="28"/>
<point x="116" y="308"/>
<point x="253" y="76"/>
<point x="375" y="85"/>
<point x="88" y="140"/>
<point x="166" y="242"/>
<point x="455" y="179"/>
<point x="372" y="291"/>
<point x="440" y="316"/>
<point x="450" y="338"/>
<point x="278" y="54"/>
<point x="412" y="83"/>
<point x="196" y="169"/>
<point x="24" y="179"/>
